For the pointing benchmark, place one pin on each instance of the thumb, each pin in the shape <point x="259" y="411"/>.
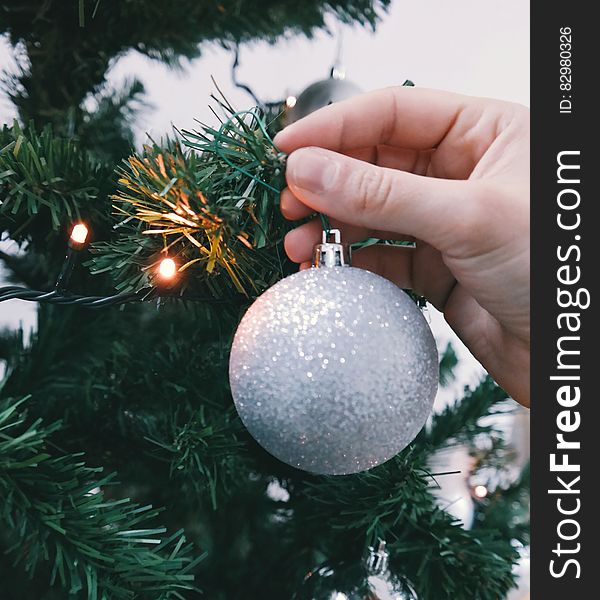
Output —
<point x="362" y="194"/>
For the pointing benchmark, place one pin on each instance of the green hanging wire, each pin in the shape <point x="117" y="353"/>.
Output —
<point x="261" y="126"/>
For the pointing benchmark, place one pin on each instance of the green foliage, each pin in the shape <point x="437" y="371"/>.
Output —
<point x="11" y="343"/>
<point x="203" y="451"/>
<point x="394" y="502"/>
<point x="213" y="209"/>
<point x="107" y="127"/>
<point x="137" y="383"/>
<point x="67" y="46"/>
<point x="47" y="183"/>
<point x="54" y="511"/>
<point x="506" y="509"/>
<point x="448" y="362"/>
<point x="462" y="421"/>
<point x="30" y="268"/>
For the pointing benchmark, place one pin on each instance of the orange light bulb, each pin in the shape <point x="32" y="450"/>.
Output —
<point x="481" y="491"/>
<point x="79" y="233"/>
<point x="167" y="268"/>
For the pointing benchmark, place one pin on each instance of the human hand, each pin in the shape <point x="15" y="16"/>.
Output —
<point x="450" y="172"/>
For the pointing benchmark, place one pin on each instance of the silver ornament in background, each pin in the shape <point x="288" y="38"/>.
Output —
<point x="319" y="94"/>
<point x="367" y="580"/>
<point x="334" y="369"/>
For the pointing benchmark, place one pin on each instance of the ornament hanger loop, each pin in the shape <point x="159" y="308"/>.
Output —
<point x="337" y="236"/>
<point x="331" y="253"/>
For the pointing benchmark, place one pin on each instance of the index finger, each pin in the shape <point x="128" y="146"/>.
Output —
<point x="402" y="116"/>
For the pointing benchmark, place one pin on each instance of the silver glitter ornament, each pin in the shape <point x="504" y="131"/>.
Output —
<point x="370" y="579"/>
<point x="319" y="94"/>
<point x="333" y="369"/>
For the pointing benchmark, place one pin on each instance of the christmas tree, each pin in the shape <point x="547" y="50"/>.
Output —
<point x="114" y="409"/>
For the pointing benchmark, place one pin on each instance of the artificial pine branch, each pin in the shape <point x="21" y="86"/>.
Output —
<point x="152" y="384"/>
<point x="54" y="510"/>
<point x="204" y="451"/>
<point x="106" y="128"/>
<point x="214" y="209"/>
<point x="29" y="268"/>
<point x="394" y="502"/>
<point x="506" y="508"/>
<point x="47" y="183"/>
<point x="11" y="343"/>
<point x="448" y="362"/>
<point x="67" y="46"/>
<point x="460" y="422"/>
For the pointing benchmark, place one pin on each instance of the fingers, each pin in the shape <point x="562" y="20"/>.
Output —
<point x="376" y="198"/>
<point x="392" y="262"/>
<point x="292" y="208"/>
<point x="420" y="269"/>
<point x="408" y="117"/>
<point x="430" y="275"/>
<point x="404" y="159"/>
<point x="384" y="156"/>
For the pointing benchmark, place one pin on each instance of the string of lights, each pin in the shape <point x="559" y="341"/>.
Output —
<point x="56" y="297"/>
<point x="167" y="271"/>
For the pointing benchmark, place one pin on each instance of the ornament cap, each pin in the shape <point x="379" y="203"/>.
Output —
<point x="378" y="559"/>
<point x="331" y="253"/>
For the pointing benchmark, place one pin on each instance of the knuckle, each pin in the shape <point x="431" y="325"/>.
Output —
<point x="522" y="112"/>
<point x="373" y="190"/>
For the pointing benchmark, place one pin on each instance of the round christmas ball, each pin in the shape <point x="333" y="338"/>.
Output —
<point x="333" y="370"/>
<point x="319" y="94"/>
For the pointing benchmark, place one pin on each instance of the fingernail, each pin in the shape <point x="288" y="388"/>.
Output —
<point x="312" y="169"/>
<point x="295" y="245"/>
<point x="281" y="136"/>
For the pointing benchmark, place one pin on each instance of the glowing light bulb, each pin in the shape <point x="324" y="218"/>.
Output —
<point x="79" y="233"/>
<point x="167" y="268"/>
<point x="290" y="101"/>
<point x="481" y="491"/>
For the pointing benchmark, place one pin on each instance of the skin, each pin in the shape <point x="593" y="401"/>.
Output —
<point x="450" y="172"/>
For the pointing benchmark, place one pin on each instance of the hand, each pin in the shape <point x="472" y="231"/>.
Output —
<point x="451" y="173"/>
